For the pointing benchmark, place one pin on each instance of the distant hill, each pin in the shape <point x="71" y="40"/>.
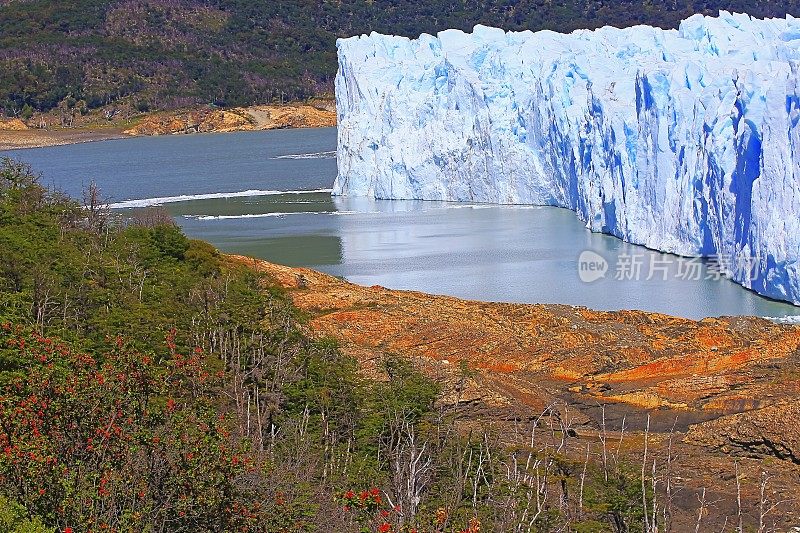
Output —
<point x="166" y="54"/>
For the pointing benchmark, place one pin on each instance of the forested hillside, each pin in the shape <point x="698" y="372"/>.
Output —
<point x="149" y="383"/>
<point x="164" y="54"/>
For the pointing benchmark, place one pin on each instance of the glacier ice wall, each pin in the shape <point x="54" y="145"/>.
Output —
<point x="685" y="141"/>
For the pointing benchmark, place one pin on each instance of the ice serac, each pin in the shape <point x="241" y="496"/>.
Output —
<point x="686" y="141"/>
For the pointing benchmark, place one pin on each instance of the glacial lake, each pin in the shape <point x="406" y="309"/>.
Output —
<point x="265" y="194"/>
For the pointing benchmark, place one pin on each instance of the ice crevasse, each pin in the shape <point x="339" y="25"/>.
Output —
<point x="686" y="141"/>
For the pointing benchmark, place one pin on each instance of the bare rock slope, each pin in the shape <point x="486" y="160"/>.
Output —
<point x="714" y="392"/>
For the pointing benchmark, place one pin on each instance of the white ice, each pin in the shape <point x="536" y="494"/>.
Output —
<point x="685" y="141"/>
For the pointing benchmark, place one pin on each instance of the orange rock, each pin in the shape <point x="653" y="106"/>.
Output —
<point x="209" y="120"/>
<point x="12" y="124"/>
<point x="525" y="356"/>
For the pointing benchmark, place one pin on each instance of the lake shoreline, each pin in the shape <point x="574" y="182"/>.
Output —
<point x="251" y="193"/>
<point x="28" y="139"/>
<point x="206" y="119"/>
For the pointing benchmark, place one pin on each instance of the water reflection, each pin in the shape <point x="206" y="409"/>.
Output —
<point x="287" y="229"/>
<point x="500" y="253"/>
<point x="519" y="254"/>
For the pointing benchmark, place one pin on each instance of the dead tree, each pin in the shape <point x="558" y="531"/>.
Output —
<point x="97" y="214"/>
<point x="410" y="463"/>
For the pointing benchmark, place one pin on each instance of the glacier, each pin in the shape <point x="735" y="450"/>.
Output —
<point x="685" y="141"/>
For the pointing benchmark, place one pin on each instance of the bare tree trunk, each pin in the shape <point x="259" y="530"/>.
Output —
<point x="701" y="511"/>
<point x="583" y="481"/>
<point x="644" y="485"/>
<point x="411" y="464"/>
<point x="603" y="441"/>
<point x="740" y="527"/>
<point x="764" y="507"/>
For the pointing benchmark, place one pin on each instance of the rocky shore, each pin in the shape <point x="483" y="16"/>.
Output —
<point x="34" y="138"/>
<point x="256" y="118"/>
<point x="717" y="394"/>
<point x="17" y="134"/>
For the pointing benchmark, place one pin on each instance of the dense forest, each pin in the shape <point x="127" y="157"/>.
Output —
<point x="164" y="54"/>
<point x="149" y="383"/>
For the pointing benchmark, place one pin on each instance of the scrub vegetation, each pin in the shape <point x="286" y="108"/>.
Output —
<point x="149" y="383"/>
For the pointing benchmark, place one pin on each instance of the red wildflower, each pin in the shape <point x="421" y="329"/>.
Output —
<point x="385" y="527"/>
<point x="349" y="495"/>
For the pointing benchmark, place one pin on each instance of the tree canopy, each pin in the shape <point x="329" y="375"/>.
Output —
<point x="164" y="54"/>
